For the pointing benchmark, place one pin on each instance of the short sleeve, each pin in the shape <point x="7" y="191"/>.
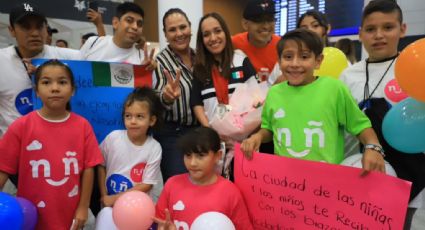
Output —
<point x="152" y="171"/>
<point x="10" y="146"/>
<point x="105" y="149"/>
<point x="93" y="156"/>
<point x="87" y="46"/>
<point x="349" y="114"/>
<point x="163" y="201"/>
<point x="240" y="216"/>
<point x="266" y="117"/>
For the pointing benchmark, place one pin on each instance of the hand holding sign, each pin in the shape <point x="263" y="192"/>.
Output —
<point x="251" y="145"/>
<point x="288" y="193"/>
<point x="29" y="66"/>
<point x="372" y="161"/>
<point x="172" y="90"/>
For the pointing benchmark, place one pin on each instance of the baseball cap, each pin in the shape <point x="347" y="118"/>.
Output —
<point x="51" y="30"/>
<point x="22" y="10"/>
<point x="256" y="9"/>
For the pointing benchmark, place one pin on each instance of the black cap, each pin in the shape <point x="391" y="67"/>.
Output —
<point x="51" y="30"/>
<point x="22" y="10"/>
<point x="257" y="8"/>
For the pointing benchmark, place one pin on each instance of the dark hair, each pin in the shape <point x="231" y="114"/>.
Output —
<point x="301" y="36"/>
<point x="54" y="62"/>
<point x="87" y="35"/>
<point x="128" y="7"/>
<point x="199" y="140"/>
<point x="320" y="18"/>
<point x="173" y="11"/>
<point x="204" y="60"/>
<point x="348" y="48"/>
<point x="64" y="41"/>
<point x="383" y="6"/>
<point x="148" y="95"/>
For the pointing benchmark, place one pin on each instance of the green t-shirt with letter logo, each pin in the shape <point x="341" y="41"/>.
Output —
<point x="308" y="121"/>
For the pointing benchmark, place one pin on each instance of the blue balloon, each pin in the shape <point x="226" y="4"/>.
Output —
<point x="404" y="126"/>
<point x="10" y="212"/>
<point x="30" y="213"/>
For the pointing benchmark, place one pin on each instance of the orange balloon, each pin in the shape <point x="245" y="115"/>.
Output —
<point x="410" y="70"/>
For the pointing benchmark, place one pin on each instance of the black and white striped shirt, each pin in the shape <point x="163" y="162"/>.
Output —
<point x="180" y="111"/>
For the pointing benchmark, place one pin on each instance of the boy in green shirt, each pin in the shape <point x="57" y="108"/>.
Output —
<point x="306" y="115"/>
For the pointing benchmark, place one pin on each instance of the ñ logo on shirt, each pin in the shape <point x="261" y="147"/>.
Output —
<point x="28" y="7"/>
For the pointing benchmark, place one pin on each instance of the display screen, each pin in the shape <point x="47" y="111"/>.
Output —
<point x="343" y="15"/>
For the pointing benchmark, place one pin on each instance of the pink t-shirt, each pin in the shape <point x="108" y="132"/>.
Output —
<point x="49" y="158"/>
<point x="186" y="201"/>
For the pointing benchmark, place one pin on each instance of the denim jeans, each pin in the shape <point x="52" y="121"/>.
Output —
<point x="172" y="158"/>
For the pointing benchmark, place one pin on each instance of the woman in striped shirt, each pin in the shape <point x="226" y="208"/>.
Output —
<point x="174" y="82"/>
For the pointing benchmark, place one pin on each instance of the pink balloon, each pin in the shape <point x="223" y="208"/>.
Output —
<point x="133" y="211"/>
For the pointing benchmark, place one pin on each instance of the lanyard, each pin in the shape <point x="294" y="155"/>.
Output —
<point x="23" y="63"/>
<point x="367" y="95"/>
<point x="221" y="85"/>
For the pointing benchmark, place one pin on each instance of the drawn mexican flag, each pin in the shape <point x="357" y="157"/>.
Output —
<point x="120" y="75"/>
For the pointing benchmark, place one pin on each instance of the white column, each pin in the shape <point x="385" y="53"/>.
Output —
<point x="193" y="9"/>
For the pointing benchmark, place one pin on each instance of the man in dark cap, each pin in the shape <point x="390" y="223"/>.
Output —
<point x="28" y="26"/>
<point x="50" y="32"/>
<point x="259" y="44"/>
<point x="259" y="41"/>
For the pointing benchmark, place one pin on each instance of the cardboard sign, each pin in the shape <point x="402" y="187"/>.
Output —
<point x="101" y="89"/>
<point x="286" y="193"/>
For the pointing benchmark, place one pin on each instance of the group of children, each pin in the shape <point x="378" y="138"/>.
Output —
<point x="55" y="147"/>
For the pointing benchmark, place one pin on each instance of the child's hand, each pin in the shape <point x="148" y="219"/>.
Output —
<point x="108" y="201"/>
<point x="250" y="145"/>
<point x="166" y="224"/>
<point x="372" y="161"/>
<point x="30" y="67"/>
<point x="81" y="216"/>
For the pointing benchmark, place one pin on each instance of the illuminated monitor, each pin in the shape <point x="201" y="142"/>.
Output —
<point x="343" y="15"/>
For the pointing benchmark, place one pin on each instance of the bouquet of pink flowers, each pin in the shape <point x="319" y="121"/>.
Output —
<point x="243" y="114"/>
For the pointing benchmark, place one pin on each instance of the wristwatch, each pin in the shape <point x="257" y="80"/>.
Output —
<point x="377" y="148"/>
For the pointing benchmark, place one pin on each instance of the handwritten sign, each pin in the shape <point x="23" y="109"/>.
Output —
<point x="286" y="193"/>
<point x="101" y="89"/>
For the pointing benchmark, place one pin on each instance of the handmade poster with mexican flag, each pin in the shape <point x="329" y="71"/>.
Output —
<point x="101" y="89"/>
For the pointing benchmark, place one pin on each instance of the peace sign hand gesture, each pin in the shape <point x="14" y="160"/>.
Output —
<point x="172" y="90"/>
<point x="148" y="60"/>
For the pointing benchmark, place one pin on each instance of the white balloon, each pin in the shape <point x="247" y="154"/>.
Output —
<point x="356" y="162"/>
<point x="212" y="221"/>
<point x="104" y="220"/>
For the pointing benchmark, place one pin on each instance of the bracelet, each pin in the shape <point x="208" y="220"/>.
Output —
<point x="375" y="147"/>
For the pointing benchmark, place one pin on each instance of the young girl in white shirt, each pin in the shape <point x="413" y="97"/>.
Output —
<point x="132" y="156"/>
